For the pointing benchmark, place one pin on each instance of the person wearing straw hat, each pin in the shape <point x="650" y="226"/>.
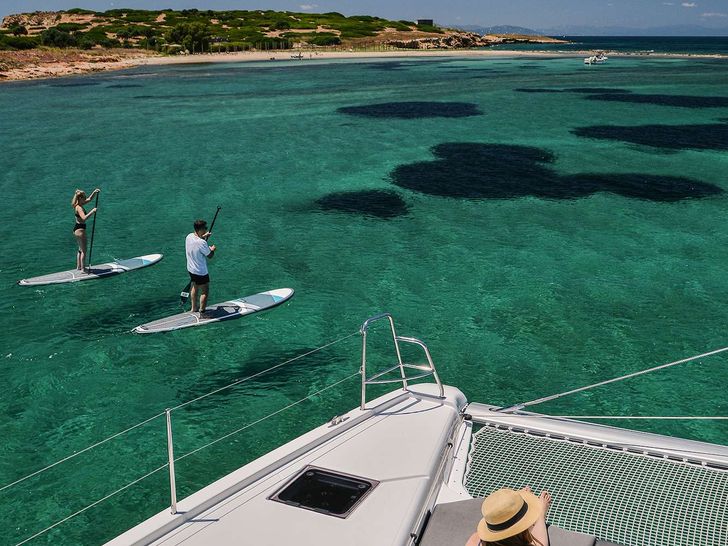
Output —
<point x="513" y="518"/>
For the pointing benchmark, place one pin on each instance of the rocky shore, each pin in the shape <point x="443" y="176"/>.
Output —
<point x="49" y="63"/>
<point x="464" y="40"/>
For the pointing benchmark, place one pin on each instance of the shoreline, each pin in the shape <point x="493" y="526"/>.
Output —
<point x="470" y="53"/>
<point x="113" y="60"/>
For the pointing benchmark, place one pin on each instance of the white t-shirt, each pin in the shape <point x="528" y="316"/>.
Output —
<point x="197" y="251"/>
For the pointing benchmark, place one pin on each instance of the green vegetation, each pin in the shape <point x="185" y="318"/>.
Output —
<point x="191" y="36"/>
<point x="324" y="39"/>
<point x="10" y="42"/>
<point x="201" y="30"/>
<point x="71" y="27"/>
<point x="80" y="11"/>
<point x="430" y="28"/>
<point x="19" y="30"/>
<point x="57" y="38"/>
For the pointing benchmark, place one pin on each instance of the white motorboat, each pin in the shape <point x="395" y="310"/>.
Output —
<point x="409" y="468"/>
<point x="599" y="58"/>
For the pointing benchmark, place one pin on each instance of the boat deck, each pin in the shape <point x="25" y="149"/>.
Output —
<point x="401" y="443"/>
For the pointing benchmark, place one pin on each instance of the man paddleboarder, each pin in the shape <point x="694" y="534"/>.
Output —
<point x="198" y="252"/>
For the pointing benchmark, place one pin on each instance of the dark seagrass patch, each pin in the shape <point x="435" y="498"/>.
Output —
<point x="504" y="171"/>
<point x="375" y="203"/>
<point x="681" y="101"/>
<point x="401" y="65"/>
<point x="74" y="84"/>
<point x="585" y="90"/>
<point x="711" y="136"/>
<point x="413" y="110"/>
<point x="537" y="90"/>
<point x="602" y="90"/>
<point x="645" y="186"/>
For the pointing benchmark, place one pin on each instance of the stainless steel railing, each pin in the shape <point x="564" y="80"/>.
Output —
<point x="378" y="378"/>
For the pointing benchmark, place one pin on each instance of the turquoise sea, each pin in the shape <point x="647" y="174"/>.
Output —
<point x="694" y="45"/>
<point x="541" y="224"/>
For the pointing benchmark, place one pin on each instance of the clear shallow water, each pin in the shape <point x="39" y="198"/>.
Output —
<point x="494" y="233"/>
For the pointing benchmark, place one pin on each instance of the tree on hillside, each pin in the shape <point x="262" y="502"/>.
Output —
<point x="56" y="38"/>
<point x="19" y="30"/>
<point x="192" y="36"/>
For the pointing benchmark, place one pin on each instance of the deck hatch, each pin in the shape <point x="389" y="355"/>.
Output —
<point x="325" y="491"/>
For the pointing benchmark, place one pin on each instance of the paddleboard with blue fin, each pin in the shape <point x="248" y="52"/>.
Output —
<point x="220" y="311"/>
<point x="94" y="272"/>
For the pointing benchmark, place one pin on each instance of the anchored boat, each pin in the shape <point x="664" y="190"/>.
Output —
<point x="410" y="467"/>
<point x="599" y="58"/>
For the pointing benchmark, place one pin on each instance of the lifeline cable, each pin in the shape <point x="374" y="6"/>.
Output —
<point x="517" y="407"/>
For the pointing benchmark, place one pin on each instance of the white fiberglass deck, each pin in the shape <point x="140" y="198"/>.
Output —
<point x="400" y="442"/>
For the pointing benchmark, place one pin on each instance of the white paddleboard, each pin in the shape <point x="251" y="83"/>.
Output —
<point x="220" y="311"/>
<point x="94" y="272"/>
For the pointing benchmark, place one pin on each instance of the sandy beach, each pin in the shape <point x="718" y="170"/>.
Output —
<point x="38" y="64"/>
<point x="327" y="55"/>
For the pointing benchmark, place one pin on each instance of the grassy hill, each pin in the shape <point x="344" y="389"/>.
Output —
<point x="203" y="30"/>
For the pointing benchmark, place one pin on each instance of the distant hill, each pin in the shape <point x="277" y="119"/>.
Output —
<point x="585" y="30"/>
<point x="501" y="29"/>
<point x="195" y="30"/>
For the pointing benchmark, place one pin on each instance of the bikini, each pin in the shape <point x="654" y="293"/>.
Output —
<point x="79" y="224"/>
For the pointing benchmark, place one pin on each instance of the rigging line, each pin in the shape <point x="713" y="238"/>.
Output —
<point x="266" y="417"/>
<point x="39" y="533"/>
<point x="77" y="453"/>
<point x="163" y="413"/>
<point x="244" y="379"/>
<point x="127" y="486"/>
<point x="644" y="448"/>
<point x="608" y="381"/>
<point x="646" y="417"/>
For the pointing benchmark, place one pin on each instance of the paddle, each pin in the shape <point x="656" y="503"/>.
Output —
<point x="185" y="294"/>
<point x="93" y="231"/>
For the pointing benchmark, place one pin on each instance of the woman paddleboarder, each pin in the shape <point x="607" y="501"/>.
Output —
<point x="79" y="229"/>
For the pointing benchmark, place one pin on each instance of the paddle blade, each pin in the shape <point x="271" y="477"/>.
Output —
<point x="185" y="294"/>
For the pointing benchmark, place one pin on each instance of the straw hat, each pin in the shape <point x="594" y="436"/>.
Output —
<point x="506" y="513"/>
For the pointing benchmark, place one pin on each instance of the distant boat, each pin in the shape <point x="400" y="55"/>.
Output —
<point x="599" y="58"/>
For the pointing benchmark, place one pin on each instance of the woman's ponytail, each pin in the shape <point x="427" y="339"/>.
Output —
<point x="74" y="199"/>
